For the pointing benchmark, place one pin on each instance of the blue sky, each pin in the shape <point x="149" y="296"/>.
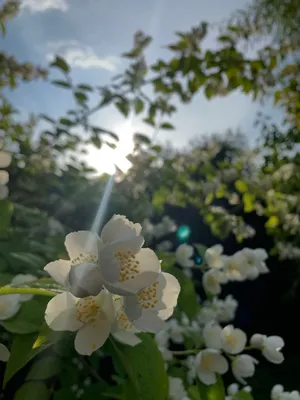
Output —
<point x="91" y="34"/>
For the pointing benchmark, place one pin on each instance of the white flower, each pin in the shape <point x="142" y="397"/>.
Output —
<point x="243" y="366"/>
<point x="212" y="335"/>
<point x="4" y="353"/>
<point x="270" y="347"/>
<point x="183" y="254"/>
<point x="212" y="280"/>
<point x="226" y="308"/>
<point x="235" y="266"/>
<point x="125" y="267"/>
<point x="255" y="259"/>
<point x="208" y="363"/>
<point x="176" y="389"/>
<point x="162" y="341"/>
<point x="5" y="159"/>
<point x="207" y="313"/>
<point x="9" y="306"/>
<point x="192" y="368"/>
<point x="278" y="393"/>
<point x="92" y="318"/>
<point x="233" y="340"/>
<point x="213" y="256"/>
<point x="122" y="329"/>
<point x="20" y="279"/>
<point x="166" y="245"/>
<point x="80" y="275"/>
<point x="153" y="305"/>
<point x="176" y="331"/>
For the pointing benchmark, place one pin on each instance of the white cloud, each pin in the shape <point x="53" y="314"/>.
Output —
<point x="81" y="56"/>
<point x="44" y="5"/>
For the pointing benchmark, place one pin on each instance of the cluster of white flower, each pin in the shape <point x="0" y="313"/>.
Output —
<point x="11" y="303"/>
<point x="151" y="231"/>
<point x="112" y="286"/>
<point x="244" y="264"/>
<point x="5" y="160"/>
<point x="176" y="389"/>
<point x="230" y="342"/>
<point x="218" y="310"/>
<point x="278" y="393"/>
<point x="291" y="223"/>
<point x="287" y="251"/>
<point x="234" y="389"/>
<point x="79" y="390"/>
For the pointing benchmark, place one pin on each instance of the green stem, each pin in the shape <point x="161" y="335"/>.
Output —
<point x="185" y="352"/>
<point x="13" y="290"/>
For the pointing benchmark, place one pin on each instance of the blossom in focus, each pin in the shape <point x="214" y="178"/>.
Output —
<point x="91" y="317"/>
<point x="270" y="347"/>
<point x="124" y="266"/>
<point x="212" y="280"/>
<point x="210" y="362"/>
<point x="213" y="256"/>
<point x="122" y="329"/>
<point x="9" y="306"/>
<point x="20" y="279"/>
<point x="243" y="366"/>
<point x="176" y="389"/>
<point x="233" y="340"/>
<point x="79" y="274"/>
<point x="4" y="353"/>
<point x="278" y="393"/>
<point x="5" y="160"/>
<point x="150" y="307"/>
<point x="183" y="254"/>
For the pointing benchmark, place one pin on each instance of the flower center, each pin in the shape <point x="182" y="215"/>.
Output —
<point x="125" y="324"/>
<point x="147" y="298"/>
<point x="84" y="258"/>
<point x="129" y="266"/>
<point x="230" y="339"/>
<point x="212" y="280"/>
<point x="87" y="310"/>
<point x="207" y="362"/>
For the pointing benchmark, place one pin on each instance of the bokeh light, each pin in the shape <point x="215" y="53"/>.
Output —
<point x="183" y="233"/>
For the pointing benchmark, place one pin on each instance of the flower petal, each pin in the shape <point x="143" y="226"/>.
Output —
<point x="127" y="338"/>
<point x="149" y="322"/>
<point x="5" y="159"/>
<point x="85" y="280"/>
<point x="91" y="337"/>
<point x="119" y="228"/>
<point x="169" y="287"/>
<point x="9" y="306"/>
<point x="208" y="378"/>
<point x="21" y="279"/>
<point x="4" y="353"/>
<point x="4" y="177"/>
<point x="275" y="357"/>
<point x="59" y="271"/>
<point x="212" y="335"/>
<point x="80" y="243"/>
<point x="221" y="365"/>
<point x="60" y="313"/>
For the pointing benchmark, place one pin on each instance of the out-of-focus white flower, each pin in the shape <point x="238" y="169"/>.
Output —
<point x="122" y="329"/>
<point x="55" y="227"/>
<point x="209" y="362"/>
<point x="149" y="309"/>
<point x="176" y="389"/>
<point x="167" y="225"/>
<point x="92" y="317"/>
<point x="278" y="393"/>
<point x="9" y="306"/>
<point x="233" y="340"/>
<point x="213" y="256"/>
<point x="212" y="335"/>
<point x="207" y="313"/>
<point x="5" y="159"/>
<point x="125" y="267"/>
<point x="192" y="368"/>
<point x="243" y="366"/>
<point x="183" y="253"/>
<point x="235" y="266"/>
<point x="20" y="280"/>
<point x="80" y="274"/>
<point x="270" y="347"/>
<point x="176" y="331"/>
<point x="4" y="353"/>
<point x="212" y="280"/>
<point x="162" y="341"/>
<point x="226" y="308"/>
<point x="166" y="245"/>
<point x="255" y="259"/>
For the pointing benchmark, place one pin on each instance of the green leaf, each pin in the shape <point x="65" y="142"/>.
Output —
<point x="96" y="390"/>
<point x="3" y="29"/>
<point x="87" y="88"/>
<point x="60" y="63"/>
<point x="139" y="137"/>
<point x="193" y="393"/>
<point x="44" y="368"/>
<point x="241" y="186"/>
<point x="29" y="319"/>
<point x="33" y="391"/>
<point x="63" y="394"/>
<point x="80" y="97"/>
<point x="5" y="279"/>
<point x="166" y="125"/>
<point x="138" y="105"/>
<point x="66" y="122"/>
<point x="145" y="368"/>
<point x="212" y="392"/>
<point x="63" y="84"/>
<point x="24" y="348"/>
<point x="242" y="395"/>
<point x="123" y="107"/>
<point x="48" y="119"/>
<point x="272" y="222"/>
<point x="29" y="259"/>
<point x="96" y="142"/>
<point x="6" y="211"/>
<point x="187" y="300"/>
<point x="249" y="202"/>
